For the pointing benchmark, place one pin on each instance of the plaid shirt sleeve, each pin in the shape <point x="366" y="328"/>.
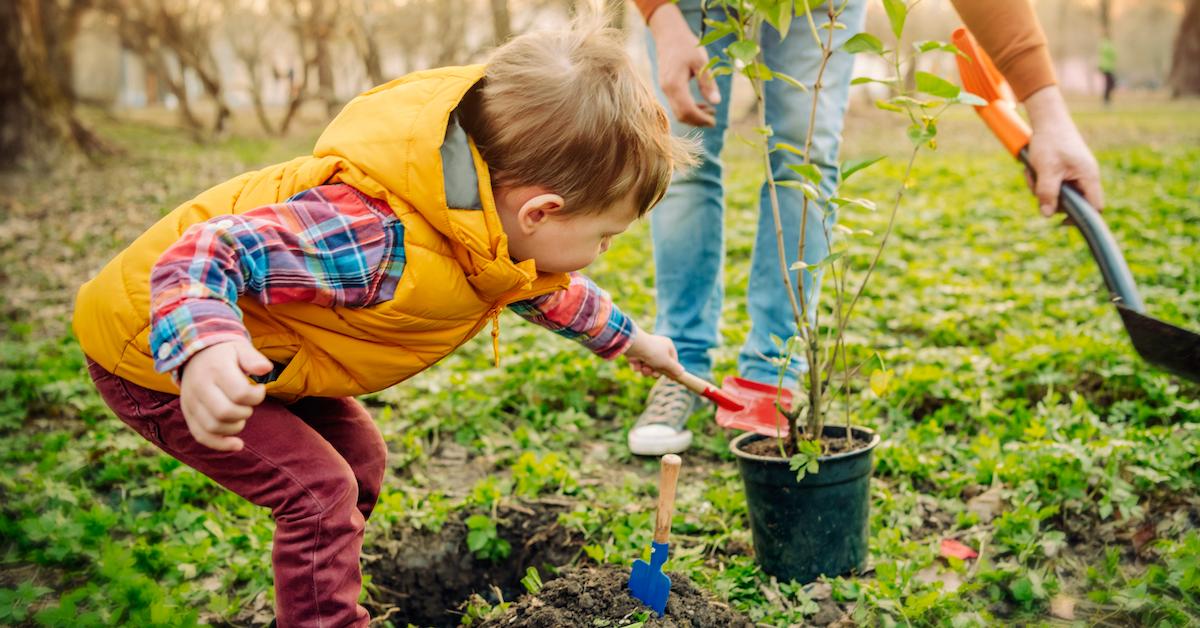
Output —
<point x="330" y="245"/>
<point x="584" y="313"/>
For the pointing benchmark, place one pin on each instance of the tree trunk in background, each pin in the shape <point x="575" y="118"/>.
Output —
<point x="325" y="76"/>
<point x="501" y="23"/>
<point x="450" y="17"/>
<point x="1185" y="64"/>
<point x="64" y="23"/>
<point x="36" y="115"/>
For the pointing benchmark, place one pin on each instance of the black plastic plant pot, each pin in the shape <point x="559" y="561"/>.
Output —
<point x="814" y="527"/>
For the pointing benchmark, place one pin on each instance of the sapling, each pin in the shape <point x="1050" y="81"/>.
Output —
<point x="822" y="344"/>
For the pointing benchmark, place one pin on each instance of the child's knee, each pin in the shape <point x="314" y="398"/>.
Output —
<point x="331" y="494"/>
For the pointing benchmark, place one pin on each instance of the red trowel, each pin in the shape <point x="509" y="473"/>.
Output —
<point x="724" y="400"/>
<point x="743" y="404"/>
<point x="1162" y="344"/>
<point x="647" y="582"/>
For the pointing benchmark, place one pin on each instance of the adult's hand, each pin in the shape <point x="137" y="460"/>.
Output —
<point x="1058" y="153"/>
<point x="680" y="59"/>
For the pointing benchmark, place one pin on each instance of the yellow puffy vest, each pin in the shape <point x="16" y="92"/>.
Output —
<point x="457" y="272"/>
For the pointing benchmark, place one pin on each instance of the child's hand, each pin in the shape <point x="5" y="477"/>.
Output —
<point x="215" y="395"/>
<point x="651" y="355"/>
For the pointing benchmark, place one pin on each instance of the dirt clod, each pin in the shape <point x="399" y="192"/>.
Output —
<point x="599" y="596"/>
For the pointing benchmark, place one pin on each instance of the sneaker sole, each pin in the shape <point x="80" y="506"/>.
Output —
<point x="656" y="440"/>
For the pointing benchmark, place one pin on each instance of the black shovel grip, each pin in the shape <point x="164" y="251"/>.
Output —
<point x="1101" y="242"/>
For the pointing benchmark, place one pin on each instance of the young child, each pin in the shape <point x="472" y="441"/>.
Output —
<point x="428" y="205"/>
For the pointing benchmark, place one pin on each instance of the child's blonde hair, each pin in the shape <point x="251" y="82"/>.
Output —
<point x="567" y="110"/>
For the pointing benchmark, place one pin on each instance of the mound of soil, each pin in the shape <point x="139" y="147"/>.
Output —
<point x="599" y="596"/>
<point x="422" y="577"/>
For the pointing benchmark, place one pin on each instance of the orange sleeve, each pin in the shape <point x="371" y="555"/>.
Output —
<point x="647" y="7"/>
<point x="1009" y="31"/>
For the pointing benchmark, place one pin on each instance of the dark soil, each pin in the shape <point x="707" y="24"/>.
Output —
<point x="422" y="577"/>
<point x="599" y="596"/>
<point x="769" y="447"/>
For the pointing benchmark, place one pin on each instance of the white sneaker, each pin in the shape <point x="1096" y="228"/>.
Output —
<point x="662" y="428"/>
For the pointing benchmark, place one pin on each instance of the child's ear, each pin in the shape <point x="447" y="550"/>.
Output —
<point x="537" y="210"/>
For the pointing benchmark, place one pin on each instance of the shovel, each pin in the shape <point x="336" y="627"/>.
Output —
<point x="647" y="582"/>
<point x="1162" y="344"/>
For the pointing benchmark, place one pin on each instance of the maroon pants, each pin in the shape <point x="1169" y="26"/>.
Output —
<point x="317" y="464"/>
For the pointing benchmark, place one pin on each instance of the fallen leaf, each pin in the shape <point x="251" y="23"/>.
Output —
<point x="987" y="504"/>
<point x="1144" y="535"/>
<point x="819" y="591"/>
<point x="951" y="547"/>
<point x="1063" y="607"/>
<point x="949" y="578"/>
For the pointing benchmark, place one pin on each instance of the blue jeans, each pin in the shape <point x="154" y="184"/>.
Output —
<point x="687" y="225"/>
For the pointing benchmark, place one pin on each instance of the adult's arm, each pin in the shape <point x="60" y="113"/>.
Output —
<point x="1010" y="33"/>
<point x="680" y="58"/>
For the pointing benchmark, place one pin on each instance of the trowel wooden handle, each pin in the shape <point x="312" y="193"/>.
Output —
<point x="667" y="478"/>
<point x="693" y="383"/>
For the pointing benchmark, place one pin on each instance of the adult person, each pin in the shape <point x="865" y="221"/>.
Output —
<point x="687" y="226"/>
<point x="1108" y="65"/>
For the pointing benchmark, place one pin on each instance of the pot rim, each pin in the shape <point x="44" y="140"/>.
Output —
<point x="736" y="443"/>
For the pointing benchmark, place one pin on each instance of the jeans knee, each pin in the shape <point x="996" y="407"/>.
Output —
<point x="334" y="495"/>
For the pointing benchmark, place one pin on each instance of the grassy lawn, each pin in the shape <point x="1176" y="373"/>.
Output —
<point x="1020" y="423"/>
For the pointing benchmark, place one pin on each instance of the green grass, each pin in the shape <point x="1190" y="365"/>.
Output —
<point x="1012" y="374"/>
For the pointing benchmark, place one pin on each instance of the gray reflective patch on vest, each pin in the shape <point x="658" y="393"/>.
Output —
<point x="458" y="169"/>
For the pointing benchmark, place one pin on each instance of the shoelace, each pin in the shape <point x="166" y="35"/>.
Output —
<point x="668" y="400"/>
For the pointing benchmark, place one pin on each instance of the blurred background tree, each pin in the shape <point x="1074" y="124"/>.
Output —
<point x="205" y="62"/>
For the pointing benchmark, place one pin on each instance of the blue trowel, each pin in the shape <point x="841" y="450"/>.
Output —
<point x="647" y="582"/>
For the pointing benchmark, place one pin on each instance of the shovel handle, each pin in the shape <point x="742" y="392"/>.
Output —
<point x="667" y="478"/>
<point x="979" y="76"/>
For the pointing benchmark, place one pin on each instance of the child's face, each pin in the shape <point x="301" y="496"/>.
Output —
<point x="538" y="229"/>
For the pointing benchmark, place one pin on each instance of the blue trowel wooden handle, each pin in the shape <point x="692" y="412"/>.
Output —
<point x="647" y="582"/>
<point x="667" y="479"/>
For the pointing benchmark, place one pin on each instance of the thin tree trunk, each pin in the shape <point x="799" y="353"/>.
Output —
<point x="325" y="77"/>
<point x="35" y="113"/>
<point x="501" y="22"/>
<point x="1185" y="63"/>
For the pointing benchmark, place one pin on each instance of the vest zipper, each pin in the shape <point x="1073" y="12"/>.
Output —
<point x="495" y="316"/>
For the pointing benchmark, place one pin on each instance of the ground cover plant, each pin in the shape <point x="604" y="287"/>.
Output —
<point x="1020" y="423"/>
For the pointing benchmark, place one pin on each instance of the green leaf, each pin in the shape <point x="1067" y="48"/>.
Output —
<point x="880" y="380"/>
<point x="717" y="30"/>
<point x="850" y="167"/>
<point x="1022" y="590"/>
<point x="897" y="12"/>
<point x="743" y="51"/>
<point x="777" y="13"/>
<point x="532" y="580"/>
<point x="790" y="80"/>
<point x="863" y="42"/>
<point x="808" y="171"/>
<point x="967" y="98"/>
<point x="864" y="203"/>
<point x="919" y="134"/>
<point x="810" y="191"/>
<point x="795" y="150"/>
<point x="829" y="259"/>
<point x="758" y="70"/>
<point x="807" y="6"/>
<point x="887" y="106"/>
<point x="937" y="86"/>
